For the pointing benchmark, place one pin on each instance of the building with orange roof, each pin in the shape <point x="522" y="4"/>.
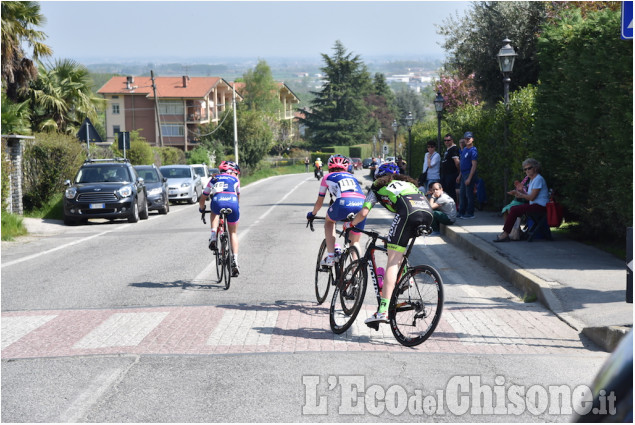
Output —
<point x="182" y="104"/>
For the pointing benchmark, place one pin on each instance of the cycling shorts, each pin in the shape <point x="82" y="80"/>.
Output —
<point x="226" y="200"/>
<point x="342" y="207"/>
<point x="412" y="212"/>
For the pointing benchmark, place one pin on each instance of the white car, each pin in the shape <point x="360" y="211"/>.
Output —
<point x="183" y="183"/>
<point x="203" y="172"/>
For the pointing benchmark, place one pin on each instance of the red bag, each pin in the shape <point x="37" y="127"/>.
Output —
<point x="554" y="213"/>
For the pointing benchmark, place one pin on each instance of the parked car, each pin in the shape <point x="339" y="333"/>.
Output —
<point x="366" y="162"/>
<point x="105" y="188"/>
<point x="156" y="187"/>
<point x="213" y="172"/>
<point x="202" y="171"/>
<point x="183" y="183"/>
<point x="357" y="163"/>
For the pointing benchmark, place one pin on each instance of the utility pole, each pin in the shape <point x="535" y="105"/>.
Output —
<point x="156" y="108"/>
<point x="235" y="123"/>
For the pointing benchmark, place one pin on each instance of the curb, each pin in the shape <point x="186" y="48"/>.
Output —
<point x="607" y="337"/>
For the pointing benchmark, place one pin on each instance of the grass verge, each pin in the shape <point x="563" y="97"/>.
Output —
<point x="12" y="226"/>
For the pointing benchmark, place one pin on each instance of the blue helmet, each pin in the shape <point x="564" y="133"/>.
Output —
<point x="387" y="168"/>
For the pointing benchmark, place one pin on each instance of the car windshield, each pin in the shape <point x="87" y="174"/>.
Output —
<point x="200" y="171"/>
<point x="104" y="173"/>
<point x="176" y="173"/>
<point x="149" y="176"/>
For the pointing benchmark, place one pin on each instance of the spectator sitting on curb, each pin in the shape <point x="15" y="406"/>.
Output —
<point x="443" y="206"/>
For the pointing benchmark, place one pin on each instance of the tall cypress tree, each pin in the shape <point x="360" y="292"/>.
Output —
<point x="339" y="115"/>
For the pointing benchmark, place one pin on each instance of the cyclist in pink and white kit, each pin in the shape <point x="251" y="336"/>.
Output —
<point x="348" y="198"/>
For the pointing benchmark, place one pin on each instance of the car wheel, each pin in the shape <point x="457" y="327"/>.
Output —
<point x="143" y="215"/>
<point x="134" y="214"/>
<point x="194" y="198"/>
<point x="166" y="207"/>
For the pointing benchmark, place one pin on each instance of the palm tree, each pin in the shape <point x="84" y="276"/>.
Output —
<point x="62" y="97"/>
<point x="15" y="117"/>
<point x="19" y="20"/>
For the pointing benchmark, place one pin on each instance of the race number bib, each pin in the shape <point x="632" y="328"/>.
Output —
<point x="396" y="186"/>
<point x="220" y="187"/>
<point x="347" y="185"/>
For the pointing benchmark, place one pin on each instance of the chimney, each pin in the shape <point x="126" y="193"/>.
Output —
<point x="129" y="82"/>
<point x="185" y="78"/>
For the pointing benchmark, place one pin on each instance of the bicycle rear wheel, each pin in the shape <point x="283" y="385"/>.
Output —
<point x="348" y="297"/>
<point x="416" y="305"/>
<point x="226" y="259"/>
<point x="323" y="276"/>
<point x="218" y="259"/>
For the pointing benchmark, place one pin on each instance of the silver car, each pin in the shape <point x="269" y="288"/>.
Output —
<point x="183" y="183"/>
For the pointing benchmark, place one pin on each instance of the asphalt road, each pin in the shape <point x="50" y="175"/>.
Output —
<point x="118" y="322"/>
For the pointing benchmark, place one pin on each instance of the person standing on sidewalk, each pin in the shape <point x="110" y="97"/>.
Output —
<point x="450" y="166"/>
<point x="431" y="166"/>
<point x="469" y="162"/>
<point x="306" y="163"/>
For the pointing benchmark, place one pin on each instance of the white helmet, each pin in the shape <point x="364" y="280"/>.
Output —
<point x="319" y="159"/>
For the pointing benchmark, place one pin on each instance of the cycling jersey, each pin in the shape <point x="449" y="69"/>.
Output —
<point x="224" y="190"/>
<point x="410" y="205"/>
<point x="347" y="193"/>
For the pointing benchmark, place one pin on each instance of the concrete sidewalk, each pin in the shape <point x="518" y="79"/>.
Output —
<point x="583" y="286"/>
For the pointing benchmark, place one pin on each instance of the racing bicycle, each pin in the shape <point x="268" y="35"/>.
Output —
<point x="416" y="302"/>
<point x="325" y="276"/>
<point x="223" y="254"/>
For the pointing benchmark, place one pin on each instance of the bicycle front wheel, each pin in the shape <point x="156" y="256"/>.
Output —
<point x="348" y="297"/>
<point x="416" y="305"/>
<point x="323" y="275"/>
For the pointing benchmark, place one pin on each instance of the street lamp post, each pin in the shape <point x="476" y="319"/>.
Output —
<point x="438" y="106"/>
<point x="506" y="57"/>
<point x="409" y="122"/>
<point x="395" y="127"/>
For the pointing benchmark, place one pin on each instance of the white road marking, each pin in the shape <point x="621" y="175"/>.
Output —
<point x="15" y="327"/>
<point x="122" y="330"/>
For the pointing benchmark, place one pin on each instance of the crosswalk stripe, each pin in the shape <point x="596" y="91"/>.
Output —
<point x="15" y="327"/>
<point x="122" y="330"/>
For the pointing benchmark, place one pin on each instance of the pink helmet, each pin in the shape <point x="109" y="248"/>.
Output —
<point x="339" y="162"/>
<point x="229" y="166"/>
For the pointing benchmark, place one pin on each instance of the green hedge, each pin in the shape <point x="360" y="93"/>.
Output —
<point x="48" y="161"/>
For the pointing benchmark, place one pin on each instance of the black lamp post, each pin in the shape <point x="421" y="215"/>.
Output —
<point x="395" y="127"/>
<point x="506" y="57"/>
<point x="409" y="122"/>
<point x="438" y="106"/>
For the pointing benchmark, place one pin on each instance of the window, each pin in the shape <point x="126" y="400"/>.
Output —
<point x="172" y="130"/>
<point x="171" y="107"/>
<point x="116" y="130"/>
<point x="115" y="108"/>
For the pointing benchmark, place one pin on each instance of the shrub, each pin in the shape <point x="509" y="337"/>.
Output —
<point x="48" y="161"/>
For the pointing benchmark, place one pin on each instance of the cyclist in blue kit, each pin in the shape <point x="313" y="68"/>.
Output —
<point x="348" y="198"/>
<point x="224" y="189"/>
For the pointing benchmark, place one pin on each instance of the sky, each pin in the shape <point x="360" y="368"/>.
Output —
<point x="94" y="31"/>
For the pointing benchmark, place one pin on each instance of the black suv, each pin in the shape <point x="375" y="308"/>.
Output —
<point x="105" y="188"/>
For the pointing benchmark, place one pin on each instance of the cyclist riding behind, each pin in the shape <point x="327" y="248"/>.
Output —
<point x="348" y="198"/>
<point x="398" y="194"/>
<point x="224" y="189"/>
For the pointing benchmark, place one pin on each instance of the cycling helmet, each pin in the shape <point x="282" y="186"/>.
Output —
<point x="387" y="168"/>
<point x="229" y="166"/>
<point x="339" y="162"/>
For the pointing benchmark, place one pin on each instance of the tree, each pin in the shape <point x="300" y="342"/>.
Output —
<point x="261" y="91"/>
<point x="457" y="92"/>
<point x="62" y="97"/>
<point x="409" y="101"/>
<point x="339" y="114"/>
<point x="19" y="22"/>
<point x="15" y="117"/>
<point x="473" y="42"/>
<point x="255" y="137"/>
<point x="382" y="102"/>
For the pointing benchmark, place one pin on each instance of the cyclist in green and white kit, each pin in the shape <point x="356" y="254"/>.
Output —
<point x="398" y="194"/>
